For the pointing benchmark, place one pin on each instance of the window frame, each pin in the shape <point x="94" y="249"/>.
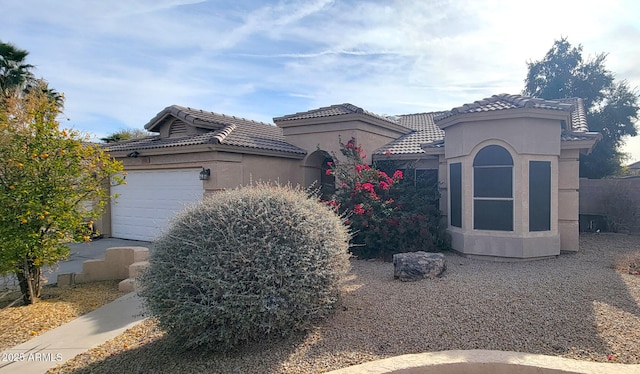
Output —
<point x="493" y="210"/>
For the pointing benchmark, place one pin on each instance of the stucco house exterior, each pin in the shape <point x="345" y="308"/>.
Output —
<point x="507" y="166"/>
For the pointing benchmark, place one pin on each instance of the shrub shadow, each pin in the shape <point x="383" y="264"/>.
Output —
<point x="162" y="356"/>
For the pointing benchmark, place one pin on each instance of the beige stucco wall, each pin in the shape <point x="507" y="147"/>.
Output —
<point x="228" y="169"/>
<point x="569" y="199"/>
<point x="526" y="139"/>
<point x="254" y="168"/>
<point x="524" y="135"/>
<point x="326" y="133"/>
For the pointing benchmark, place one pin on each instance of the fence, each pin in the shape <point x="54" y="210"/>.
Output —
<point x="610" y="205"/>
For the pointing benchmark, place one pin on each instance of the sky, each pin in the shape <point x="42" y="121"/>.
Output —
<point x="120" y="62"/>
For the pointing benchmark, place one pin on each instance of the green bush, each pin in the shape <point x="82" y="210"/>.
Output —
<point x="389" y="210"/>
<point x="244" y="264"/>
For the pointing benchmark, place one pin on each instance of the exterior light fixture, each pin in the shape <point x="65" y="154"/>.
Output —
<point x="205" y="174"/>
<point x="134" y="154"/>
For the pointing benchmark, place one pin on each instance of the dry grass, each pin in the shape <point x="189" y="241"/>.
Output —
<point x="58" y="305"/>
<point x="629" y="263"/>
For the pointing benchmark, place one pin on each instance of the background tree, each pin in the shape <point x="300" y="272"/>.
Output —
<point x="16" y="76"/>
<point x="53" y="183"/>
<point x="15" y="73"/>
<point x="612" y="107"/>
<point x="125" y="134"/>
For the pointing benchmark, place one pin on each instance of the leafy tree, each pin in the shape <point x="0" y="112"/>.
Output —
<point x="612" y="107"/>
<point x="125" y="134"/>
<point x="15" y="73"/>
<point x="53" y="183"/>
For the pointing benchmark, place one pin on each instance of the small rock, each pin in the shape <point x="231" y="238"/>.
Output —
<point x="414" y="266"/>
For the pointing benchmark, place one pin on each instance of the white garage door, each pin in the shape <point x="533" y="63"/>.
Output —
<point x="150" y="199"/>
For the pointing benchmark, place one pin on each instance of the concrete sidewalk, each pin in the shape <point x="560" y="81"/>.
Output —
<point x="56" y="346"/>
<point x="85" y="332"/>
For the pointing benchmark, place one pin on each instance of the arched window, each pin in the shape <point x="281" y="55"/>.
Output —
<point x="493" y="189"/>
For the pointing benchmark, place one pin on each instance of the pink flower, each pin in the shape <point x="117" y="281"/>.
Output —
<point x="389" y="201"/>
<point x="329" y="163"/>
<point x="384" y="185"/>
<point x="358" y="168"/>
<point x="358" y="186"/>
<point x="358" y="209"/>
<point x="328" y="172"/>
<point x="398" y="174"/>
<point x="367" y="187"/>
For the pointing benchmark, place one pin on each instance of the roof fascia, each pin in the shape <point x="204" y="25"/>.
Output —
<point x="585" y="146"/>
<point x="348" y="117"/>
<point x="211" y="147"/>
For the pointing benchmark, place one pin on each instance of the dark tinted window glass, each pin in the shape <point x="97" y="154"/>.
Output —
<point x="493" y="155"/>
<point x="539" y="196"/>
<point x="492" y="182"/>
<point x="455" y="191"/>
<point x="493" y="215"/>
<point x="426" y="178"/>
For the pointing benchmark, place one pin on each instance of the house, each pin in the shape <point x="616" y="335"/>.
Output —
<point x="507" y="165"/>
<point x="634" y="168"/>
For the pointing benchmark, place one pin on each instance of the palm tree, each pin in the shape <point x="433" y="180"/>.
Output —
<point x="54" y="96"/>
<point x="14" y="72"/>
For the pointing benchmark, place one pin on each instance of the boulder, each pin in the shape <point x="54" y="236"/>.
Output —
<point x="414" y="266"/>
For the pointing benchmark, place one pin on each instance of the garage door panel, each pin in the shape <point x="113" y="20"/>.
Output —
<point x="150" y="199"/>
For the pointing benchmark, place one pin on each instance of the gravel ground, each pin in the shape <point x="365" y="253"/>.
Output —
<point x="58" y="305"/>
<point x="576" y="306"/>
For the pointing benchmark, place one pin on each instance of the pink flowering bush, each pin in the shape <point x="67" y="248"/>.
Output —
<point x="385" y="210"/>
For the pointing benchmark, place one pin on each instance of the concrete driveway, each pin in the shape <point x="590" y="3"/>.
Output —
<point x="80" y="252"/>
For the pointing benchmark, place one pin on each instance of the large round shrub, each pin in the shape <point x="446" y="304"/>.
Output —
<point x="245" y="263"/>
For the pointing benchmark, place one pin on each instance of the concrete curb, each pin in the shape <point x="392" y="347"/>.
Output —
<point x="485" y="362"/>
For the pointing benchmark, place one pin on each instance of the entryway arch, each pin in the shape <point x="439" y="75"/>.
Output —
<point x="316" y="165"/>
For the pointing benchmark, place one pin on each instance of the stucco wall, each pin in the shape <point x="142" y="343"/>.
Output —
<point x="524" y="135"/>
<point x="228" y="169"/>
<point x="568" y="199"/>
<point x="616" y="200"/>
<point x="526" y="139"/>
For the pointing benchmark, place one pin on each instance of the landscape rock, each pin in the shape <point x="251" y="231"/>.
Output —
<point x="414" y="266"/>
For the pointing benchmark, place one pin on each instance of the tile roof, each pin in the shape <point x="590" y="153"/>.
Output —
<point x="198" y="118"/>
<point x="330" y="111"/>
<point x="428" y="135"/>
<point x="578" y="115"/>
<point x="229" y="130"/>
<point x="506" y="101"/>
<point x="424" y="131"/>
<point x="240" y="132"/>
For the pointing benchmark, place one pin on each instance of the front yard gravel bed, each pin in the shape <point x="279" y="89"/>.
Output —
<point x="57" y="306"/>
<point x="576" y="306"/>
